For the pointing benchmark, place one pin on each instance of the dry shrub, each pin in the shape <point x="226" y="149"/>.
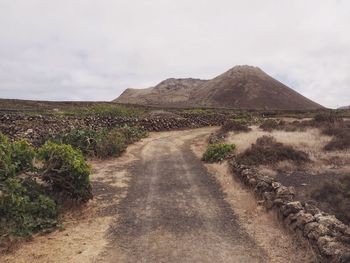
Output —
<point x="267" y="150"/>
<point x="271" y="124"/>
<point x="340" y="141"/>
<point x="335" y="195"/>
<point x="236" y="126"/>
<point x="327" y="117"/>
<point x="217" y="137"/>
<point x="340" y="130"/>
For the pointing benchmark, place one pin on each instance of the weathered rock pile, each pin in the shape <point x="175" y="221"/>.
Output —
<point x="38" y="127"/>
<point x="328" y="236"/>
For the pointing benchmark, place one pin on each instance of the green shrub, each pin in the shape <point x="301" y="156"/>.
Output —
<point x="66" y="171"/>
<point x="7" y="167"/>
<point x="14" y="157"/>
<point x="112" y="110"/>
<point x="102" y="143"/>
<point x="132" y="134"/>
<point x="25" y="209"/>
<point x="217" y="152"/>
<point x="22" y="155"/>
<point x="85" y="140"/>
<point x="112" y="143"/>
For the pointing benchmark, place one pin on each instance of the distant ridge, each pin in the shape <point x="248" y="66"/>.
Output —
<point x="344" y="108"/>
<point x="244" y="87"/>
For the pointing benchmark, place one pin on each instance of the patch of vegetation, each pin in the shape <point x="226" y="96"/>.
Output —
<point x="271" y="124"/>
<point x="65" y="171"/>
<point x="236" y="125"/>
<point x="217" y="152"/>
<point x="340" y="141"/>
<point x="30" y="195"/>
<point x="335" y="195"/>
<point x="14" y="157"/>
<point x="199" y="111"/>
<point x="340" y="130"/>
<point x="267" y="150"/>
<point x="104" y="143"/>
<point x="327" y="117"/>
<point x="84" y="140"/>
<point x="25" y="208"/>
<point x="111" y="143"/>
<point x="113" y="110"/>
<point x="132" y="134"/>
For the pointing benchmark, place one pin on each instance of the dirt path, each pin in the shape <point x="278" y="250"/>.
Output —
<point x="175" y="211"/>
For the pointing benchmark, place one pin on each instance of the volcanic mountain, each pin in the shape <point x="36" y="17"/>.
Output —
<point x="243" y="87"/>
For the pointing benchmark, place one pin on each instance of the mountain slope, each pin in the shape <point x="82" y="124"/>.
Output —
<point x="240" y="87"/>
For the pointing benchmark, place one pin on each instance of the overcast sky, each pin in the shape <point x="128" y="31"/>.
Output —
<point x="94" y="49"/>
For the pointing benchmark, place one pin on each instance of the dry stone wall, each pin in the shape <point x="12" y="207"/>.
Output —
<point x="328" y="236"/>
<point x="37" y="127"/>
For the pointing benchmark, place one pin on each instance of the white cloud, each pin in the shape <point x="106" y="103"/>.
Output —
<point x="93" y="50"/>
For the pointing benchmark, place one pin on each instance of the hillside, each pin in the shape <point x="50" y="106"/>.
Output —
<point x="345" y="108"/>
<point x="240" y="87"/>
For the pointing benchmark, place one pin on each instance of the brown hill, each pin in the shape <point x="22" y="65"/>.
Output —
<point x="241" y="87"/>
<point x="344" y="108"/>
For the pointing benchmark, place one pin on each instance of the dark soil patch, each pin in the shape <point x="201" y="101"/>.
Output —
<point x="328" y="191"/>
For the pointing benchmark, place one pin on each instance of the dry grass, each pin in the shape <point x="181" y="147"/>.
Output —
<point x="309" y="141"/>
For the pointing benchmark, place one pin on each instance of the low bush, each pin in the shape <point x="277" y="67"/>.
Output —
<point x="25" y="208"/>
<point x="340" y="141"/>
<point x="112" y="143"/>
<point x="85" y="140"/>
<point x="132" y="134"/>
<point x="29" y="201"/>
<point x="14" y="157"/>
<point x="102" y="143"/>
<point x="23" y="154"/>
<point x="217" y="152"/>
<point x="235" y="125"/>
<point x="327" y="117"/>
<point x="7" y="167"/>
<point x="267" y="150"/>
<point x="271" y="124"/>
<point x="65" y="171"/>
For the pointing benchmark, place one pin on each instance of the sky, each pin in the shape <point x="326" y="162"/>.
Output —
<point x="95" y="49"/>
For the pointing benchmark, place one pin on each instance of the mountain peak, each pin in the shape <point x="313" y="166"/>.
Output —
<point x="242" y="86"/>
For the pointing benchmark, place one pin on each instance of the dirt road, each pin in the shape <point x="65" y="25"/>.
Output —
<point x="175" y="211"/>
